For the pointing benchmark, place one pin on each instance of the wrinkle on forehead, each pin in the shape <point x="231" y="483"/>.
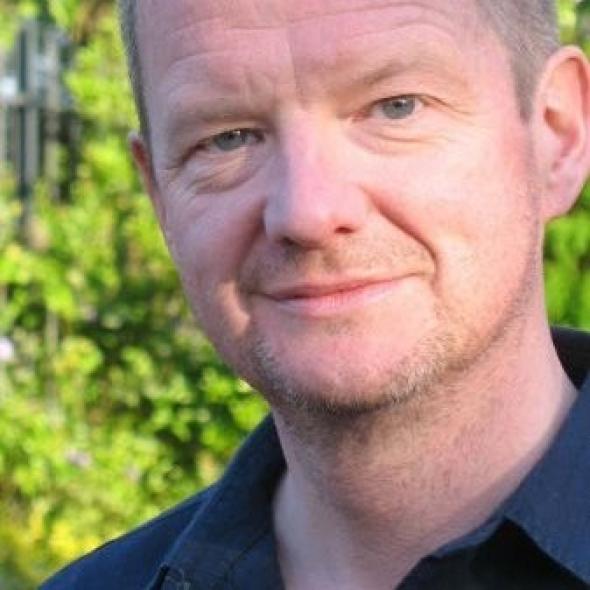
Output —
<point x="332" y="40"/>
<point x="210" y="45"/>
<point x="192" y="27"/>
<point x="301" y="11"/>
<point x="176" y="13"/>
<point x="175" y="16"/>
<point x="256" y="14"/>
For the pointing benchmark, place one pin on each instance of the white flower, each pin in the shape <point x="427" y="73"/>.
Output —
<point x="78" y="458"/>
<point x="7" y="351"/>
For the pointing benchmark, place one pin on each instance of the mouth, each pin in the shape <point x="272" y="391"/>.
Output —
<point x="316" y="300"/>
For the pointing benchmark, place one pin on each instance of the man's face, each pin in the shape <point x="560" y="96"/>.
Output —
<point x="346" y="187"/>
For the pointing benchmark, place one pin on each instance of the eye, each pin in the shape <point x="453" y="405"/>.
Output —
<point x="399" y="107"/>
<point x="232" y="140"/>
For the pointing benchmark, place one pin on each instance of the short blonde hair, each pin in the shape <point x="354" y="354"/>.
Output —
<point x="530" y="31"/>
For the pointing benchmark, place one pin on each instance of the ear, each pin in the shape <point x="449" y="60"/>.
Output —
<point x="562" y="130"/>
<point x="143" y="160"/>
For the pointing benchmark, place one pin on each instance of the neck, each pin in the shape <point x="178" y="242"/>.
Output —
<point x="366" y="497"/>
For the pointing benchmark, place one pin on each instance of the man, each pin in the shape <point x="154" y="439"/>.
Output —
<point x="354" y="193"/>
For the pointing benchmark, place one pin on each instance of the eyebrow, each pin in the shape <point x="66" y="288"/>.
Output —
<point x="368" y="75"/>
<point x="347" y="78"/>
<point x="215" y="111"/>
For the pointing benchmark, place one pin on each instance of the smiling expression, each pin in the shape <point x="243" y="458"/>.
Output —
<point x="346" y="186"/>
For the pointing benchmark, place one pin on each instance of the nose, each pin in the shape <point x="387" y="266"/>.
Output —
<point x="313" y="198"/>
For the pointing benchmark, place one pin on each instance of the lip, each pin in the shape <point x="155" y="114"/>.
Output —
<point x="323" y="300"/>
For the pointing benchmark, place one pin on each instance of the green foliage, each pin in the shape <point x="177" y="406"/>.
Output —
<point x="112" y="405"/>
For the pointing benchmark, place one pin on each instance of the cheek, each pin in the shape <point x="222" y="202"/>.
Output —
<point x="488" y="254"/>
<point x="488" y="218"/>
<point x="211" y="238"/>
<point x="472" y="206"/>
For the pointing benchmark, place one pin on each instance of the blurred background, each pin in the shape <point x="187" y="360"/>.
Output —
<point x="112" y="405"/>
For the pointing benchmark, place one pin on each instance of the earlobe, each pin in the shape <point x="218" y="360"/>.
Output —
<point x="562" y="120"/>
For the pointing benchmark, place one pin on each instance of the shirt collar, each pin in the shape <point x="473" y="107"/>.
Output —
<point x="235" y="514"/>
<point x="552" y="505"/>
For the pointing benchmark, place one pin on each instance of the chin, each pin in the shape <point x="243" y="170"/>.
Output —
<point x="346" y="388"/>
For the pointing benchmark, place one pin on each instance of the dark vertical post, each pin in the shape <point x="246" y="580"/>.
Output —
<point x="28" y="121"/>
<point x="38" y="110"/>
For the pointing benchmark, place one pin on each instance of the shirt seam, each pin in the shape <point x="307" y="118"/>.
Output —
<point x="226" y="580"/>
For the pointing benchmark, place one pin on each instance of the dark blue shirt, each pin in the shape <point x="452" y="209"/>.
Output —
<point x="222" y="539"/>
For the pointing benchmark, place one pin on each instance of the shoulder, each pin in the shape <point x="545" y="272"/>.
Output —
<point x="133" y="560"/>
<point x="200" y="530"/>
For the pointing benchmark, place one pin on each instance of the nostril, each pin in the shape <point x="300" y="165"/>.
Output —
<point x="289" y="242"/>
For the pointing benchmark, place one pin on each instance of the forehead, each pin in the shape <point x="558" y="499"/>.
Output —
<point x="254" y="48"/>
<point x="172" y="30"/>
<point x="274" y="13"/>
